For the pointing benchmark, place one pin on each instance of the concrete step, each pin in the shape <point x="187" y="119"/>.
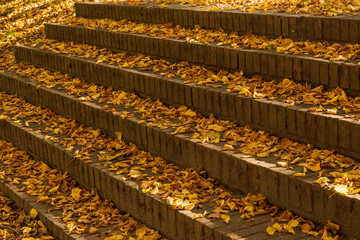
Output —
<point x="236" y="171"/>
<point x="126" y="193"/>
<point x="344" y="28"/>
<point x="266" y="63"/>
<point x="274" y="116"/>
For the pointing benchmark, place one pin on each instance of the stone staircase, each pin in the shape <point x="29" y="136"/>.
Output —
<point x="238" y="172"/>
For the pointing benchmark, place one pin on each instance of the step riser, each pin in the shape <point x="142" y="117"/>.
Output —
<point x="245" y="174"/>
<point x="266" y="63"/>
<point x="275" y="117"/>
<point x="295" y="26"/>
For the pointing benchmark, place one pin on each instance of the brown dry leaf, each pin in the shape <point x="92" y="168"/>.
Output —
<point x="305" y="228"/>
<point x="334" y="228"/>
<point x="93" y="230"/>
<point x="214" y="215"/>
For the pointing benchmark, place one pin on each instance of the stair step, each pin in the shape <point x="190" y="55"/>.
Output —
<point x="267" y="63"/>
<point x="50" y="220"/>
<point x="235" y="170"/>
<point x="274" y="116"/>
<point x="17" y="218"/>
<point x="343" y="28"/>
<point x="127" y="194"/>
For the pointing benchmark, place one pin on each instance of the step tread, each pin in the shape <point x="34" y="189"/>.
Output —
<point x="215" y="38"/>
<point x="264" y="62"/>
<point x="18" y="219"/>
<point x="297" y="26"/>
<point x="49" y="217"/>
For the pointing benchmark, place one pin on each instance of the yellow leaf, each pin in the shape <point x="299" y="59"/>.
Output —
<point x="270" y="230"/>
<point x="196" y="216"/>
<point x="300" y="174"/>
<point x="41" y="224"/>
<point x="26" y="230"/>
<point x="277" y="226"/>
<point x="216" y="127"/>
<point x="119" y="135"/>
<point x="313" y="168"/>
<point x="115" y="237"/>
<point x="95" y="96"/>
<point x="289" y="229"/>
<point x="293" y="223"/>
<point x="93" y="230"/>
<point x="54" y="189"/>
<point x="33" y="213"/>
<point x="305" y="228"/>
<point x="154" y="191"/>
<point x="263" y="154"/>
<point x="322" y="180"/>
<point x="228" y="147"/>
<point x="283" y="164"/>
<point x="334" y="228"/>
<point x="313" y="233"/>
<point x="343" y="189"/>
<point x="331" y="111"/>
<point x="76" y="194"/>
<point x="190" y="206"/>
<point x="195" y="135"/>
<point x="225" y="218"/>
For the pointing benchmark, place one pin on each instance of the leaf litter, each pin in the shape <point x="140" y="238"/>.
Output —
<point x="318" y="49"/>
<point x="181" y="188"/>
<point x="15" y="223"/>
<point x="82" y="211"/>
<point x="327" y="7"/>
<point x="31" y="30"/>
<point x="334" y="101"/>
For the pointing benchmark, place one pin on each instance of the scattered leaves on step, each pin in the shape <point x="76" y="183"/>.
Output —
<point x="182" y="189"/>
<point x="16" y="224"/>
<point x="243" y="139"/>
<point x="81" y="211"/>
<point x="325" y="50"/>
<point x="287" y="90"/>
<point x="328" y="8"/>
